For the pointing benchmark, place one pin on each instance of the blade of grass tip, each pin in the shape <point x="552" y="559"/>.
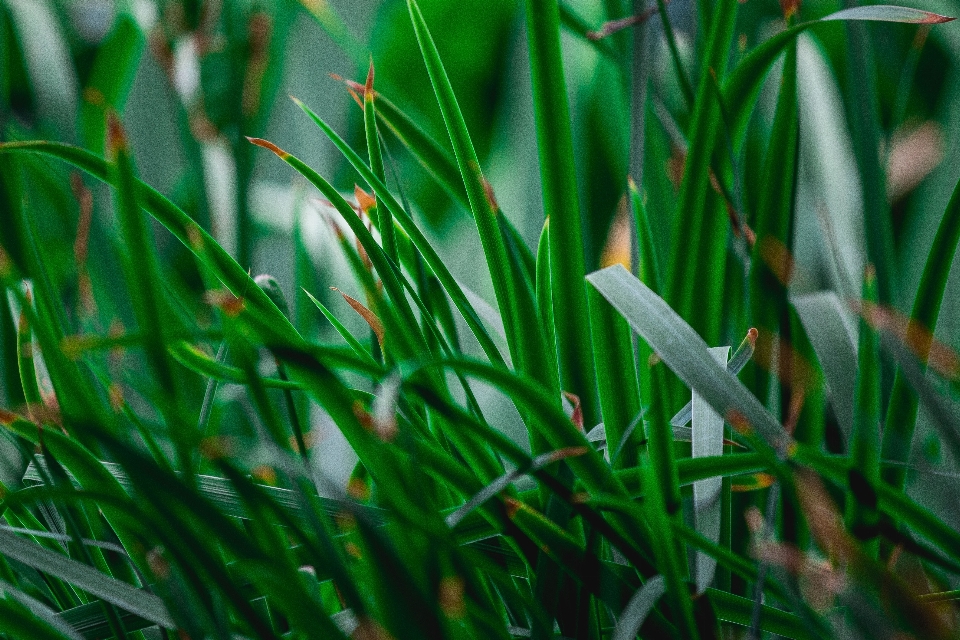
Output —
<point x="649" y="262"/>
<point x="478" y="190"/>
<point x="901" y="417"/>
<point x="111" y="78"/>
<point x="435" y="159"/>
<point x="388" y="271"/>
<point x="736" y="364"/>
<point x="142" y="273"/>
<point x="561" y="202"/>
<point x="416" y="236"/>
<point x="707" y="440"/>
<point x="381" y="216"/>
<point x="864" y="471"/>
<point x="342" y="330"/>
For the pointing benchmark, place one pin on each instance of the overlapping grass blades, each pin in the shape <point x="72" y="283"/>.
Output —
<point x="448" y="526"/>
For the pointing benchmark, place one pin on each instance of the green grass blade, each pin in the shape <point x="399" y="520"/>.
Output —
<point x="23" y="624"/>
<point x="383" y="220"/>
<point x="478" y="189"/>
<point x="560" y="202"/>
<point x="667" y="552"/>
<point x="700" y="224"/>
<point x="865" y="440"/>
<point x="416" y="236"/>
<point x="342" y="330"/>
<point x="90" y="580"/>
<point x="271" y="321"/>
<point x="617" y="381"/>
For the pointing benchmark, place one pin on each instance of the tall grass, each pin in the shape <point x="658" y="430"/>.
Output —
<point x="165" y="466"/>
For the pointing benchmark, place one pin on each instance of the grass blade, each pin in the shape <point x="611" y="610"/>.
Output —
<point x="111" y="590"/>
<point x="707" y="440"/>
<point x="560" y="201"/>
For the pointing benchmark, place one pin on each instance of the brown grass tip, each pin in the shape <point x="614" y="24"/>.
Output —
<point x="266" y="144"/>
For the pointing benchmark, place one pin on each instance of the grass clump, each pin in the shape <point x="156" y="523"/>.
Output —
<point x="167" y="413"/>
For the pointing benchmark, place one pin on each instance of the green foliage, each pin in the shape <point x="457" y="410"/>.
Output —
<point x="191" y="451"/>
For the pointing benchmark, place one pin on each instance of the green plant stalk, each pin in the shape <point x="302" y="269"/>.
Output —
<point x="773" y="222"/>
<point x="861" y="513"/>
<point x="662" y="524"/>
<point x="480" y="201"/>
<point x="901" y="416"/>
<point x="561" y="203"/>
<point x="694" y="287"/>
<point x="616" y="380"/>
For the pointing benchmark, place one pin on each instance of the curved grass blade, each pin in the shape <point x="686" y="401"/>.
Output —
<point x="736" y="364"/>
<point x="506" y="283"/>
<point x="269" y="320"/>
<point x="741" y="87"/>
<point x="90" y="580"/>
<point x="641" y="604"/>
<point x="686" y="353"/>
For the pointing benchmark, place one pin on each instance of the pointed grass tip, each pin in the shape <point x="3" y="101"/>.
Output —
<point x="368" y="87"/>
<point x="266" y="144"/>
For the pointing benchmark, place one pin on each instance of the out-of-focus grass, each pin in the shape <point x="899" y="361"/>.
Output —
<point x="447" y="411"/>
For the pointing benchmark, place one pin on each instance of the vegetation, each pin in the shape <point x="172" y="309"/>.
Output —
<point x="585" y="454"/>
